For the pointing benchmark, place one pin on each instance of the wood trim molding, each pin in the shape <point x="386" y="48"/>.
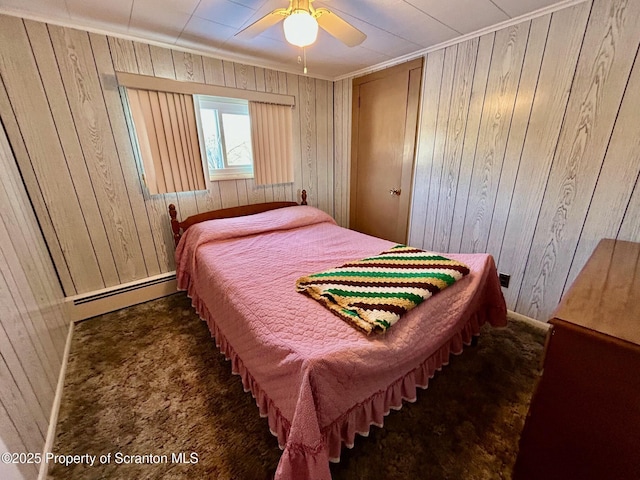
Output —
<point x="55" y="408"/>
<point x="146" y="82"/>
<point x="454" y="41"/>
<point x="410" y="143"/>
<point x="354" y="115"/>
<point x="529" y="320"/>
<point x="409" y="65"/>
<point x="235" y="57"/>
<point x="262" y="63"/>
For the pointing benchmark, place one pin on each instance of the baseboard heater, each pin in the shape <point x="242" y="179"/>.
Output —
<point x="83" y="306"/>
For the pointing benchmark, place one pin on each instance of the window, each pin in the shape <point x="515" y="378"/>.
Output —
<point x="210" y="130"/>
<point x="224" y="131"/>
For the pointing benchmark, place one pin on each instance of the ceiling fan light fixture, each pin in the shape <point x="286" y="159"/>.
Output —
<point x="300" y="28"/>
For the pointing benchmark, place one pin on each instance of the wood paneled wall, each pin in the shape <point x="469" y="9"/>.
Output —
<point x="526" y="147"/>
<point x="529" y="149"/>
<point x="342" y="92"/>
<point x="33" y="327"/>
<point x="66" y="122"/>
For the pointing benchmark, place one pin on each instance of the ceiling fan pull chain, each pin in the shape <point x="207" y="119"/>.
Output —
<point x="304" y="56"/>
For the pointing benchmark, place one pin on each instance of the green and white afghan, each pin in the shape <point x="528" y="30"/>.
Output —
<point x="373" y="293"/>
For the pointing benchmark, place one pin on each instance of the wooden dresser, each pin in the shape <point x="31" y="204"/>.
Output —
<point x="584" y="418"/>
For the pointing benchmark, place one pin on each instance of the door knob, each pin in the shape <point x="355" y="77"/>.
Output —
<point x="395" y="191"/>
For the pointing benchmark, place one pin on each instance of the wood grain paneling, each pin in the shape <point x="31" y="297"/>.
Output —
<point x="440" y="143"/>
<point x="32" y="322"/>
<point x="342" y="148"/>
<point x="324" y="146"/>
<point x="66" y="121"/>
<point x="522" y="135"/>
<point x="19" y="352"/>
<point x="549" y="161"/>
<point x="29" y="108"/>
<point x="293" y="88"/>
<point x="630" y="228"/>
<point x="452" y="153"/>
<point x="564" y="40"/>
<point x="608" y="52"/>
<point x="84" y="179"/>
<point x="518" y="130"/>
<point x="25" y="326"/>
<point x="52" y="83"/>
<point x="10" y="436"/>
<point x="615" y="182"/>
<point x="480" y="78"/>
<point x="132" y="178"/>
<point x="85" y="97"/>
<point x="504" y="75"/>
<point x="37" y="199"/>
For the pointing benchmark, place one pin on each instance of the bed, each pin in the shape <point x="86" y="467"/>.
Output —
<point x="318" y="380"/>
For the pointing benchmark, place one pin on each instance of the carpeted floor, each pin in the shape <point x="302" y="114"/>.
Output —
<point x="148" y="380"/>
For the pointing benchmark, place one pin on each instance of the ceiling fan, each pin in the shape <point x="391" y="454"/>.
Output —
<point x="301" y="23"/>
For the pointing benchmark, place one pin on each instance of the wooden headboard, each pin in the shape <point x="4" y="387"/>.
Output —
<point x="179" y="228"/>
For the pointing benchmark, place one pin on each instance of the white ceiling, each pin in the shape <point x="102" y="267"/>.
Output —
<point x="394" y="28"/>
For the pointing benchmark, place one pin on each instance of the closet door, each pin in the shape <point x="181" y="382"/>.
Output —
<point x="385" y="117"/>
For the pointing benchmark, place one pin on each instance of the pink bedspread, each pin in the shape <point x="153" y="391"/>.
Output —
<point x="317" y="379"/>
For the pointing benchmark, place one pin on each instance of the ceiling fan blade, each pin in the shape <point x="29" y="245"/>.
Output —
<point x="339" y="28"/>
<point x="259" y="26"/>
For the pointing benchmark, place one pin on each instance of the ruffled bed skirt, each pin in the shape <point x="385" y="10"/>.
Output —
<point x="360" y="417"/>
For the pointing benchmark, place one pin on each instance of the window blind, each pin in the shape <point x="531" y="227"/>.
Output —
<point x="165" y="127"/>
<point x="272" y="143"/>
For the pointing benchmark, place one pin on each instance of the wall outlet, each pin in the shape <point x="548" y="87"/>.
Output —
<point x="504" y="280"/>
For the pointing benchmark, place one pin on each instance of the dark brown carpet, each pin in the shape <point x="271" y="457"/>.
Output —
<point x="149" y="380"/>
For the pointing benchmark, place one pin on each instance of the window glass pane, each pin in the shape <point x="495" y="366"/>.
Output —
<point x="237" y="139"/>
<point x="224" y="130"/>
<point x="211" y="132"/>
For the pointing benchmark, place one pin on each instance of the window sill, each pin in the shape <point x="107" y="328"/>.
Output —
<point x="230" y="176"/>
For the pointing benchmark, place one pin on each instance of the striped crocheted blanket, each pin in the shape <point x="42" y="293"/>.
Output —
<point x="373" y="293"/>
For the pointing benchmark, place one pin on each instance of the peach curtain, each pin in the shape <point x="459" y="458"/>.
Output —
<point x="165" y="125"/>
<point x="272" y="143"/>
